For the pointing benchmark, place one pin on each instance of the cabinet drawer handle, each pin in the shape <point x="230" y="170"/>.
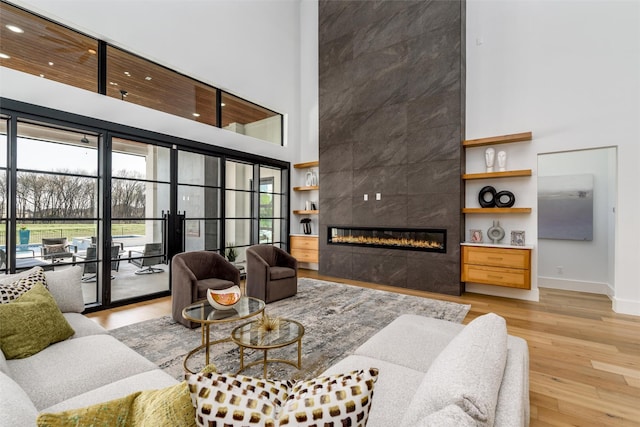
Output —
<point x="497" y="258"/>
<point x="494" y="277"/>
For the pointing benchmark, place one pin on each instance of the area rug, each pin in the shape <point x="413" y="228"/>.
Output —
<point x="337" y="318"/>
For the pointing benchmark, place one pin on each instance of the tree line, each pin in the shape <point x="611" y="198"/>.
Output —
<point x="67" y="194"/>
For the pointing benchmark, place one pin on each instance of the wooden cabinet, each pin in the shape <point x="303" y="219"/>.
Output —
<point x="304" y="248"/>
<point x="509" y="266"/>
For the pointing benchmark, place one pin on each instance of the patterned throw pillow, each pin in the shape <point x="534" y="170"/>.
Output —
<point x="338" y="400"/>
<point x="13" y="290"/>
<point x="222" y="399"/>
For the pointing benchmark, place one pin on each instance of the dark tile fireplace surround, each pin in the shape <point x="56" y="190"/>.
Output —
<point x="391" y="109"/>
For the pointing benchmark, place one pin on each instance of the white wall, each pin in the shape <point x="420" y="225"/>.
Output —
<point x="568" y="71"/>
<point x="581" y="265"/>
<point x="250" y="48"/>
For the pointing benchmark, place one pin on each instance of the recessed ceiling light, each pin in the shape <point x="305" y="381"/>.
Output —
<point x="196" y="115"/>
<point x="4" y="56"/>
<point x="126" y="73"/>
<point x="222" y="104"/>
<point x="92" y="51"/>
<point x="148" y="78"/>
<point x="14" y="28"/>
<point x="50" y="63"/>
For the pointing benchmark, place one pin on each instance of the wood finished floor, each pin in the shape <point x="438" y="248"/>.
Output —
<point x="585" y="359"/>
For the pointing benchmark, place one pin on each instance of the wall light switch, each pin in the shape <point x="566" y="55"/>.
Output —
<point x="366" y="197"/>
<point x="378" y="196"/>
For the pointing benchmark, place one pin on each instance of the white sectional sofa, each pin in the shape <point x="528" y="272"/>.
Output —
<point x="431" y="372"/>
<point x="436" y="373"/>
<point x="88" y="368"/>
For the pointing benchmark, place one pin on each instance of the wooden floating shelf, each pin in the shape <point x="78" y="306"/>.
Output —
<point x="496" y="210"/>
<point x="307" y="164"/>
<point x="306" y="188"/>
<point x="303" y="212"/>
<point x="504" y="139"/>
<point x="505" y="174"/>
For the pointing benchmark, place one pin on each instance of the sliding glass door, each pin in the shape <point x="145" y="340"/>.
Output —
<point x="116" y="204"/>
<point x="199" y="189"/>
<point x="140" y="203"/>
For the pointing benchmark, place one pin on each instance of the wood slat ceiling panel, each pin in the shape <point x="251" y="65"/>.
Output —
<point x="75" y="62"/>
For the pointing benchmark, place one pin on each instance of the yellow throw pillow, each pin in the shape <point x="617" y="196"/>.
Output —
<point x="170" y="406"/>
<point x="114" y="413"/>
<point x="31" y="323"/>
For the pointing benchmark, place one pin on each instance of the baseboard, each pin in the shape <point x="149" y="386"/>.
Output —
<point x="625" y="306"/>
<point x="308" y="265"/>
<point x="576" y="285"/>
<point x="500" y="291"/>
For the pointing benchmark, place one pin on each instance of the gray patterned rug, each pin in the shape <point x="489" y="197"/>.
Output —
<point x="337" y="318"/>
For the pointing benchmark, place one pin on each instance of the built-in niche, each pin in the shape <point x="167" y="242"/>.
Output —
<point x="576" y="220"/>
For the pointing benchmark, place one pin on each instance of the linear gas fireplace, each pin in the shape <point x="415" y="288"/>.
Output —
<point x="411" y="239"/>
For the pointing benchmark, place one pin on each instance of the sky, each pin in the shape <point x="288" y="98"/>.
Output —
<point x="39" y="155"/>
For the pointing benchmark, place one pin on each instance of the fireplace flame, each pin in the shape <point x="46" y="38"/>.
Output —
<point x="387" y="241"/>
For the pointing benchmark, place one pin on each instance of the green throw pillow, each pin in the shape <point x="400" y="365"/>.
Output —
<point x="169" y="406"/>
<point x="30" y="323"/>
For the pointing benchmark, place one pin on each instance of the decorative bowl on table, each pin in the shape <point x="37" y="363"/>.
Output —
<point x="224" y="299"/>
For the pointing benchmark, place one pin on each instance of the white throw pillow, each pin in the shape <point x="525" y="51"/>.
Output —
<point x="66" y="287"/>
<point x="467" y="373"/>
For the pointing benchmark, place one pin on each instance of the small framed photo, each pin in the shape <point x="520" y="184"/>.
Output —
<point x="475" y="236"/>
<point x="517" y="238"/>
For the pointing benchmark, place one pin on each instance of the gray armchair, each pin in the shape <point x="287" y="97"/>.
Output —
<point x="58" y="248"/>
<point x="272" y="274"/>
<point x="148" y="260"/>
<point x="192" y="274"/>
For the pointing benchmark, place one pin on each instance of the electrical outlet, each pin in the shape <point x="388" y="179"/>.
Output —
<point x="378" y="196"/>
<point x="560" y="269"/>
<point x="366" y="197"/>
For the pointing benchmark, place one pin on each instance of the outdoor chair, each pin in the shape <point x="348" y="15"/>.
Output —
<point x="90" y="269"/>
<point x="272" y="273"/>
<point x="147" y="260"/>
<point x="193" y="273"/>
<point x="56" y="249"/>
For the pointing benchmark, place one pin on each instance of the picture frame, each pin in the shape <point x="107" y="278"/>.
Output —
<point x="475" y="236"/>
<point x="517" y="238"/>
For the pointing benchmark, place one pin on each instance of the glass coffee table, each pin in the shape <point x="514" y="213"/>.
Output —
<point x="202" y="312"/>
<point x="249" y="335"/>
